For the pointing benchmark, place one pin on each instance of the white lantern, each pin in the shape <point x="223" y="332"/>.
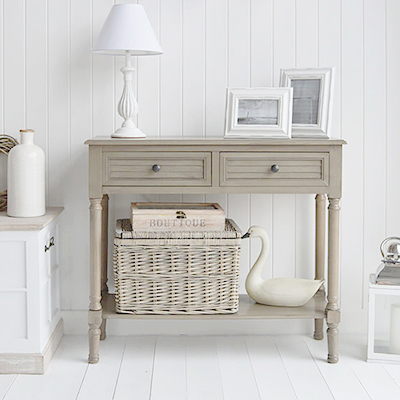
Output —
<point x="383" y="322"/>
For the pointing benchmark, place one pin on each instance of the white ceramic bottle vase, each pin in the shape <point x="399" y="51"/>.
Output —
<point x="26" y="178"/>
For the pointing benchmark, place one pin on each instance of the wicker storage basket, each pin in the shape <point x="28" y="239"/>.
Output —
<point x="176" y="272"/>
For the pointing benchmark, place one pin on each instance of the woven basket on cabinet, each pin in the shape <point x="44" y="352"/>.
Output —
<point x="176" y="272"/>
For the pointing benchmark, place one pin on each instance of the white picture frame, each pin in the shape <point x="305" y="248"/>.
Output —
<point x="258" y="113"/>
<point x="312" y="100"/>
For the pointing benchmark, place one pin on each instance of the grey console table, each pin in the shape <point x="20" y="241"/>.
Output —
<point x="202" y="165"/>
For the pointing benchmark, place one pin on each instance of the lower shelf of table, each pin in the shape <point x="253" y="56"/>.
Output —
<point x="248" y="309"/>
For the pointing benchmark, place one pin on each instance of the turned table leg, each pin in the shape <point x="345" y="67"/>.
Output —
<point x="104" y="241"/>
<point x="103" y="329"/>
<point x="104" y="257"/>
<point x="95" y="310"/>
<point x="332" y="309"/>
<point x="320" y="225"/>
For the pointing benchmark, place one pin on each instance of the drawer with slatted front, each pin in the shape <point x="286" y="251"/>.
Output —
<point x="157" y="168"/>
<point x="259" y="169"/>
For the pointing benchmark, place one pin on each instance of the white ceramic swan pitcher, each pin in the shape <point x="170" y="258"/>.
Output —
<point x="287" y="292"/>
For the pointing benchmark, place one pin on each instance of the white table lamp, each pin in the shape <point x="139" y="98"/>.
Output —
<point x="127" y="31"/>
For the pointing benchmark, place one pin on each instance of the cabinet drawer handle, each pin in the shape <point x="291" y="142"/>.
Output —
<point x="156" y="167"/>
<point x="50" y="245"/>
<point x="275" y="168"/>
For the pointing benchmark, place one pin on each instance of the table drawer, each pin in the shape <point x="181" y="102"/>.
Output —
<point x="256" y="169"/>
<point x="157" y="168"/>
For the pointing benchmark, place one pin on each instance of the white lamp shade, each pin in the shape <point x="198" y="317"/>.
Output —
<point x="127" y="28"/>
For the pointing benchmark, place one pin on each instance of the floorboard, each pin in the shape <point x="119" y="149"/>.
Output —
<point x="5" y="383"/>
<point x="134" y="380"/>
<point x="101" y="378"/>
<point x="202" y="369"/>
<point x="32" y="387"/>
<point x="271" y="376"/>
<point x="373" y="376"/>
<point x="394" y="371"/>
<point x="238" y="381"/>
<point x="208" y="368"/>
<point x="340" y="378"/>
<point x="73" y="364"/>
<point x="307" y="381"/>
<point x="169" y="373"/>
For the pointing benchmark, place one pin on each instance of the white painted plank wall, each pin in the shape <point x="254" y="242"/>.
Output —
<point x="81" y="127"/>
<point x="171" y="68"/>
<point x="12" y="90"/>
<point x="330" y="54"/>
<point x="148" y="91"/>
<point x="306" y="56"/>
<point x="216" y="76"/>
<point x="238" y="75"/>
<point x="14" y="71"/>
<point x="2" y="111"/>
<point x="103" y="104"/>
<point x="392" y="84"/>
<point x="36" y="72"/>
<point x="193" y="67"/>
<point x="261" y="74"/>
<point x="49" y="81"/>
<point x="59" y="137"/>
<point x="216" y="37"/>
<point x="374" y="122"/>
<point x="284" y="205"/>
<point x="352" y="129"/>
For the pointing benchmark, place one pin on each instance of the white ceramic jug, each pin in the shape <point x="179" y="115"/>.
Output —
<point x="26" y="178"/>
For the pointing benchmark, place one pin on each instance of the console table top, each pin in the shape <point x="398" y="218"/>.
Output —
<point x="198" y="140"/>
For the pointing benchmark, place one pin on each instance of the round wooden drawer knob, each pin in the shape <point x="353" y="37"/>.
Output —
<point x="156" y="167"/>
<point x="275" y="168"/>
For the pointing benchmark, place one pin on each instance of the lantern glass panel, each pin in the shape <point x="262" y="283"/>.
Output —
<point x="384" y="322"/>
<point x="386" y="318"/>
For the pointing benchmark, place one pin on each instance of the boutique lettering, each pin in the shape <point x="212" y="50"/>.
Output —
<point x="172" y="223"/>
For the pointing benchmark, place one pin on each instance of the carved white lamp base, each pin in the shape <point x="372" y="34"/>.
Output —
<point x="128" y="106"/>
<point x="128" y="132"/>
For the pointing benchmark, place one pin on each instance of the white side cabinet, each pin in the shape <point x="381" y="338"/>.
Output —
<point x="31" y="327"/>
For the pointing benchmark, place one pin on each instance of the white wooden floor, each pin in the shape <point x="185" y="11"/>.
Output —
<point x="207" y="368"/>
